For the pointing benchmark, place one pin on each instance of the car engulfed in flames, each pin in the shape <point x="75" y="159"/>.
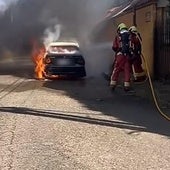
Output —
<point x="64" y="59"/>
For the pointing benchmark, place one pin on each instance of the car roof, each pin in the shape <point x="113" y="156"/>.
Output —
<point x="64" y="44"/>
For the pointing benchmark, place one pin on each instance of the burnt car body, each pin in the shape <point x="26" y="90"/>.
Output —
<point x="64" y="59"/>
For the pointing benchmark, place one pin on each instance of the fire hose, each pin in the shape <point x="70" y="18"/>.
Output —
<point x="165" y="115"/>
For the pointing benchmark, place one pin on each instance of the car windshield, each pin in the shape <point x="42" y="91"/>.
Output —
<point x="63" y="49"/>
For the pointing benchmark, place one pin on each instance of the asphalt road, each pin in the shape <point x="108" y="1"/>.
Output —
<point x="77" y="125"/>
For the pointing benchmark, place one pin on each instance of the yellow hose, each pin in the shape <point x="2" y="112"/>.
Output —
<point x="153" y="91"/>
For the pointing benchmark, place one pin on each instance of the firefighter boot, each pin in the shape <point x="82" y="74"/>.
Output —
<point x="127" y="87"/>
<point x="113" y="85"/>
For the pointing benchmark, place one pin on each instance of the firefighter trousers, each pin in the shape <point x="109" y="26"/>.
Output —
<point x="138" y="72"/>
<point x="122" y="63"/>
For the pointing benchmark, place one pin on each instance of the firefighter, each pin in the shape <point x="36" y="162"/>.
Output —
<point x="121" y="48"/>
<point x="137" y="70"/>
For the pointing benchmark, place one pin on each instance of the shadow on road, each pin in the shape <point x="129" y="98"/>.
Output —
<point x="131" y="112"/>
<point x="139" y="114"/>
<point x="72" y="116"/>
<point x="96" y="95"/>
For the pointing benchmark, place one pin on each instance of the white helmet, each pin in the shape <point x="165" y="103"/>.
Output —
<point x="133" y="29"/>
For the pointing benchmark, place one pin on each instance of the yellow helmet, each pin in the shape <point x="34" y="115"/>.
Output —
<point x="133" y="29"/>
<point x="121" y="26"/>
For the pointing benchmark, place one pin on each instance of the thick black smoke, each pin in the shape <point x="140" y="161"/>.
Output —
<point x="24" y="21"/>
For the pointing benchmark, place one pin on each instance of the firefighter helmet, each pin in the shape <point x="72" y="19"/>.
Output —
<point x="133" y="29"/>
<point x="121" y="26"/>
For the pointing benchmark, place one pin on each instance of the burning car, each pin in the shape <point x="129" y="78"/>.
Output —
<point x="64" y="59"/>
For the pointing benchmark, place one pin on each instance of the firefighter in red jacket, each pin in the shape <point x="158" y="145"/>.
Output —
<point x="138" y="72"/>
<point x="122" y="56"/>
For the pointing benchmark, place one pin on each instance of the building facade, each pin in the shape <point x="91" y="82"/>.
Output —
<point x="152" y="18"/>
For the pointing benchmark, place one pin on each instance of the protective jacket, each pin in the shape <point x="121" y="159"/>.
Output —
<point x="135" y="45"/>
<point x="138" y="72"/>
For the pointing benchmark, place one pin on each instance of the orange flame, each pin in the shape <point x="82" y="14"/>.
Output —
<point x="38" y="57"/>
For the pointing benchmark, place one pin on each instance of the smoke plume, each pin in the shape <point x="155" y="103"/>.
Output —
<point x="4" y="5"/>
<point x="51" y="34"/>
<point x="23" y="21"/>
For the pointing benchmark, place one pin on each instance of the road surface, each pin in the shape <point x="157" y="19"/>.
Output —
<point x="77" y="125"/>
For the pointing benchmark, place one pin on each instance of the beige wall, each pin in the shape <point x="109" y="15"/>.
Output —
<point x="145" y="20"/>
<point x="127" y="19"/>
<point x="108" y="28"/>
